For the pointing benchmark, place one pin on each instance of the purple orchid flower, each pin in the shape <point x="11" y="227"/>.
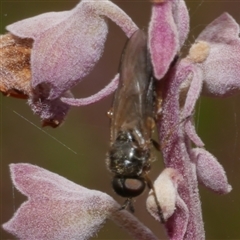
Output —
<point x="60" y="209"/>
<point x="66" y="47"/>
<point x="211" y="68"/>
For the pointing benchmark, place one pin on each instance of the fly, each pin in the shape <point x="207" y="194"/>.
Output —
<point x="132" y="122"/>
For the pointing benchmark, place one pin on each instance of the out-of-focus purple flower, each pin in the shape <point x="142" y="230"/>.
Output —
<point x="213" y="68"/>
<point x="60" y="209"/>
<point x="66" y="47"/>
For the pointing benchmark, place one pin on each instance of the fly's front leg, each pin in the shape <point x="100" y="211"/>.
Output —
<point x="128" y="205"/>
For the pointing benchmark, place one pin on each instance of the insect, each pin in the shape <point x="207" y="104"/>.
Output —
<point x="132" y="122"/>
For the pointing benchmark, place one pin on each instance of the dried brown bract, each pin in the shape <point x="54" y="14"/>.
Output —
<point x="15" y="71"/>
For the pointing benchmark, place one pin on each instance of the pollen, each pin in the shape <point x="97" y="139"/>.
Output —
<point x="199" y="52"/>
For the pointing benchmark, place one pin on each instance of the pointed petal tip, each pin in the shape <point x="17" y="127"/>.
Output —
<point x="210" y="172"/>
<point x="56" y="207"/>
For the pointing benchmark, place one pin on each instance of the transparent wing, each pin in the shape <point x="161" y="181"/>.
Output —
<point x="133" y="101"/>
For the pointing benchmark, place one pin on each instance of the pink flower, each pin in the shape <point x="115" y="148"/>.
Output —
<point x="59" y="62"/>
<point x="213" y="68"/>
<point x="60" y="209"/>
<point x="168" y="30"/>
<point x="66" y="47"/>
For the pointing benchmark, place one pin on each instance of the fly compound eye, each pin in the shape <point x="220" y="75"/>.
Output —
<point x="128" y="187"/>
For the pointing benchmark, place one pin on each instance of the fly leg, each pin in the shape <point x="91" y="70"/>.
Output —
<point x="150" y="186"/>
<point x="156" y="145"/>
<point x="127" y="204"/>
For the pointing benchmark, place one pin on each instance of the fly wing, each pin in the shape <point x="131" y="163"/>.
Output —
<point x="133" y="101"/>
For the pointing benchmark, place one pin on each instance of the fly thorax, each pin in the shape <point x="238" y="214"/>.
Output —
<point x="126" y="157"/>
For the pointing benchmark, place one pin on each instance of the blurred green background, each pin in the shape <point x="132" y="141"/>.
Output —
<point x="86" y="129"/>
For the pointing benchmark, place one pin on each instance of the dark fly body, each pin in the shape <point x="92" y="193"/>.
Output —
<point x="132" y="122"/>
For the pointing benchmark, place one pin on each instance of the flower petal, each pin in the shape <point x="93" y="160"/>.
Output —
<point x="132" y="225"/>
<point x="194" y="90"/>
<point x="191" y="132"/>
<point x="16" y="76"/>
<point x="181" y="18"/>
<point x="177" y="224"/>
<point x="168" y="29"/>
<point x="107" y="90"/>
<point x="189" y="94"/>
<point x="116" y="14"/>
<point x="222" y="30"/>
<point x="222" y="67"/>
<point x="166" y="191"/>
<point x="57" y="208"/>
<point x="210" y="172"/>
<point x="68" y="44"/>
<point x="187" y="221"/>
<point x="51" y="112"/>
